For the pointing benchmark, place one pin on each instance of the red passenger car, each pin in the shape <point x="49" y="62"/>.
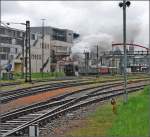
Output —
<point x="104" y="70"/>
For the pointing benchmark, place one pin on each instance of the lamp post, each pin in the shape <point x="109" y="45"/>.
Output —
<point x="125" y="4"/>
<point x="27" y="50"/>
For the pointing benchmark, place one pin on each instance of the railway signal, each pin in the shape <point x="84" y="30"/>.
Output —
<point x="125" y="4"/>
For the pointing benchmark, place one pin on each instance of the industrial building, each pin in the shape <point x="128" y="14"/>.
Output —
<point x="138" y="58"/>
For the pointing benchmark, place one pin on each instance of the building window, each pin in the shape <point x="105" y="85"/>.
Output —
<point x="18" y="34"/>
<point x="33" y="36"/>
<point x="61" y="49"/>
<point x="16" y="50"/>
<point x="7" y="40"/>
<point x="2" y="30"/>
<point x="40" y="56"/>
<point x="35" y="57"/>
<point x="19" y="42"/>
<point x="14" y="34"/>
<point x="1" y="49"/>
<point x="4" y="49"/>
<point x="32" y="57"/>
<point x="3" y="56"/>
<point x="59" y="35"/>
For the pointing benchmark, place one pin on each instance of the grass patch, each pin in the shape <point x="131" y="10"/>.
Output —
<point x="132" y="119"/>
<point x="38" y="75"/>
<point x="96" y="125"/>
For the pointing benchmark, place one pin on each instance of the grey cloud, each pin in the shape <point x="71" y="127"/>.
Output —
<point x="95" y="21"/>
<point x="10" y="8"/>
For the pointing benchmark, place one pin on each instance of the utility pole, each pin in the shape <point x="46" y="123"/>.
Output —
<point x="0" y="68"/>
<point x="124" y="4"/>
<point x="27" y="49"/>
<point x="149" y="58"/>
<point x="86" y="62"/>
<point x="125" y="52"/>
<point x="50" y="53"/>
<point x="97" y="59"/>
<point x="27" y="54"/>
<point x="22" y="67"/>
<point x="42" y="46"/>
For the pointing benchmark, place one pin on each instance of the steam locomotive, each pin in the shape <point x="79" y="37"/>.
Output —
<point x="70" y="69"/>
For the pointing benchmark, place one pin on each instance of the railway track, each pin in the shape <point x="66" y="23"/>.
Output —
<point x="18" y="121"/>
<point x="7" y="96"/>
<point x="14" y="94"/>
<point x="37" y="81"/>
<point x="48" y="80"/>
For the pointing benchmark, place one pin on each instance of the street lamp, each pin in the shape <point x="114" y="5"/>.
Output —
<point x="28" y="51"/>
<point x="125" y="4"/>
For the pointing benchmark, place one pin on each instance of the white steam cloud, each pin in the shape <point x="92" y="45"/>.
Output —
<point x="86" y="43"/>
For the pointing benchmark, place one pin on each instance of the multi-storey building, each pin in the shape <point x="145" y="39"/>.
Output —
<point x="55" y="47"/>
<point x="36" y="53"/>
<point x="60" y="41"/>
<point x="11" y="44"/>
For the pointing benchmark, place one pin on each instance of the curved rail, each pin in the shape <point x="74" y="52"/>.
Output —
<point x="14" y="94"/>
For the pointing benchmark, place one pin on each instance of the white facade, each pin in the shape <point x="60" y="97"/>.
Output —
<point x="60" y="41"/>
<point x="11" y="42"/>
<point x="36" y="53"/>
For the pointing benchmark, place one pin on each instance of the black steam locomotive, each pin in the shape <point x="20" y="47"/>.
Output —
<point x="70" y="69"/>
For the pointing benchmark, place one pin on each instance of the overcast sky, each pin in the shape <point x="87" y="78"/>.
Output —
<point x="97" y="22"/>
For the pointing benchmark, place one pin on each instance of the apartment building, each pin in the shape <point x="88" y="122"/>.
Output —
<point x="11" y="44"/>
